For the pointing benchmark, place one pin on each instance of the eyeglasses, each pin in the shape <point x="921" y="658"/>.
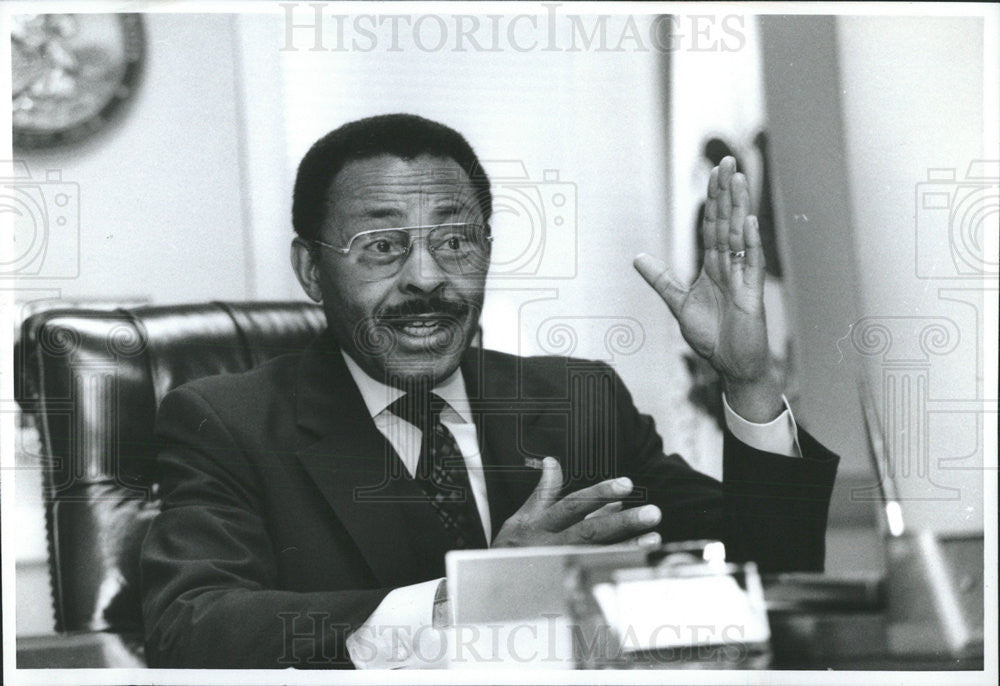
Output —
<point x="460" y="248"/>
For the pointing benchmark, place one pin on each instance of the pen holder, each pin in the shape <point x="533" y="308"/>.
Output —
<point x="935" y="589"/>
<point x="690" y="614"/>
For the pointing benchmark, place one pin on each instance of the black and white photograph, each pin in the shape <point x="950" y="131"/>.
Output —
<point x="499" y="342"/>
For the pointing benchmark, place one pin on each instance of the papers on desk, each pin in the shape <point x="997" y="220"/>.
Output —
<point x="671" y="612"/>
<point x="616" y="606"/>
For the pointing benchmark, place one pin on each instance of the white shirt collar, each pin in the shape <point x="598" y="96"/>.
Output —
<point x="378" y="396"/>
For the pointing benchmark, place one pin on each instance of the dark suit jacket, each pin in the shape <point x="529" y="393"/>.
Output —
<point x="287" y="517"/>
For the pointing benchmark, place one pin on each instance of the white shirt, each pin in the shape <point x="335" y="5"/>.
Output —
<point x="405" y="437"/>
<point x="386" y="639"/>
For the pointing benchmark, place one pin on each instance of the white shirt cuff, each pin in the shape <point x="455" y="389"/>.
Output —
<point x="399" y="633"/>
<point x="779" y="436"/>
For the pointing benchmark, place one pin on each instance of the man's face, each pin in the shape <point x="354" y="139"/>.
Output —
<point x="417" y="322"/>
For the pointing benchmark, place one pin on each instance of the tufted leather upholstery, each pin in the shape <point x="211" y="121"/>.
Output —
<point x="93" y="379"/>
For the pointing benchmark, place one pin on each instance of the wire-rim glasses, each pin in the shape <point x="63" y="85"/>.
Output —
<point x="458" y="248"/>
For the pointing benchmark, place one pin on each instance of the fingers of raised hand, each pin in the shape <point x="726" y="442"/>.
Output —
<point x="614" y="527"/>
<point x="740" y="210"/>
<point x="727" y="203"/>
<point x="577" y="505"/>
<point x="656" y="274"/>
<point x="755" y="261"/>
<point x="734" y="254"/>
<point x="711" y="211"/>
<point x="726" y="213"/>
<point x="746" y="254"/>
<point x="724" y="200"/>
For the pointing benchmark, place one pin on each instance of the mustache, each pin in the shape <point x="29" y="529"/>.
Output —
<point x="451" y="309"/>
<point x="377" y="336"/>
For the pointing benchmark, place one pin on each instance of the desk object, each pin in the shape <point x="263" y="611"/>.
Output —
<point x="515" y="584"/>
<point x="508" y="605"/>
<point x="925" y="614"/>
<point x="935" y="595"/>
<point x="689" y="613"/>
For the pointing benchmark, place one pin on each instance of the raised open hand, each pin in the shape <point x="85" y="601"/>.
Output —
<point x="721" y="315"/>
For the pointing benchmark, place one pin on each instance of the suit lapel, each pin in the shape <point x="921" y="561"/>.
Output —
<point x="360" y="475"/>
<point x="513" y="434"/>
<point x="364" y="481"/>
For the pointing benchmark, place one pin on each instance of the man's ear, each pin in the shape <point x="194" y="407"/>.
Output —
<point x="306" y="266"/>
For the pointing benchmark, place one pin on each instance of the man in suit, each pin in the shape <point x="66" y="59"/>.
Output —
<point x="310" y="501"/>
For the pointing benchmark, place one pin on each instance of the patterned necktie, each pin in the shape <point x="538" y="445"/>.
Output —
<point x="441" y="471"/>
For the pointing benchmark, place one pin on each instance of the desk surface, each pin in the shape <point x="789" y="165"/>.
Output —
<point x="849" y="641"/>
<point x="843" y="642"/>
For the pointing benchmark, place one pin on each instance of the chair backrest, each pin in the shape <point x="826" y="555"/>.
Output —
<point x="93" y="380"/>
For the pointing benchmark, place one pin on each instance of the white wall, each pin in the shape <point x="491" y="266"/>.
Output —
<point x="863" y="110"/>
<point x="160" y="212"/>
<point x="267" y="190"/>
<point x="912" y="127"/>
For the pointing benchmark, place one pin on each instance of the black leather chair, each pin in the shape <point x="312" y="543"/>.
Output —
<point x="93" y="380"/>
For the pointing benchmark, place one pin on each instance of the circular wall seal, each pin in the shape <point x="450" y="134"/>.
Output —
<point x="71" y="73"/>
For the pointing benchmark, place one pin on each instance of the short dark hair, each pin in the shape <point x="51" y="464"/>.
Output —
<point x="402" y="135"/>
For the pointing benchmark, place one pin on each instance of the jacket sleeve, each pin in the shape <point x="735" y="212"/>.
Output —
<point x="769" y="508"/>
<point x="209" y="575"/>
